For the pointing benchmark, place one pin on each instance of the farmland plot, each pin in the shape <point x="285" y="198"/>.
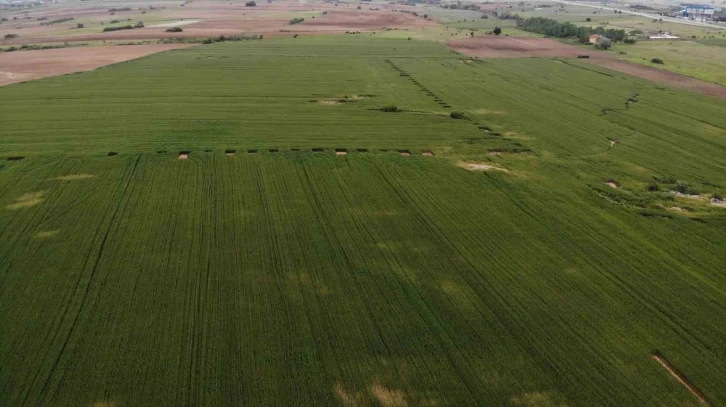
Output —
<point x="303" y="278"/>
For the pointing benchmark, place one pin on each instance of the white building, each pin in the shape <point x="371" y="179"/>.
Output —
<point x="699" y="12"/>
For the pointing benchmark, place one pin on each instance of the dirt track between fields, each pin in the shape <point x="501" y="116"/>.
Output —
<point x="20" y="66"/>
<point x="518" y="47"/>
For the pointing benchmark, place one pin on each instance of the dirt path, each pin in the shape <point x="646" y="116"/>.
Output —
<point x="22" y="66"/>
<point x="682" y="379"/>
<point x="518" y="47"/>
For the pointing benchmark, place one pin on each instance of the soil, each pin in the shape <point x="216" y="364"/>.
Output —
<point x="183" y="156"/>
<point x="21" y="66"/>
<point x="516" y="47"/>
<point x="612" y="185"/>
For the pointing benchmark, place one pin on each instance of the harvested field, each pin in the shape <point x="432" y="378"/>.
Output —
<point x="28" y="65"/>
<point x="493" y="46"/>
<point x="362" y="21"/>
<point x="516" y="47"/>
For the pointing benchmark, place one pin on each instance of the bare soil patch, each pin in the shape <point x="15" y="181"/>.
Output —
<point x="26" y="65"/>
<point x="513" y="47"/>
<point x="361" y="20"/>
<point x="183" y="156"/>
<point x="612" y="185"/>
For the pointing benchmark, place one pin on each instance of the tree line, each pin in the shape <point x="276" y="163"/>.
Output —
<point x="554" y="28"/>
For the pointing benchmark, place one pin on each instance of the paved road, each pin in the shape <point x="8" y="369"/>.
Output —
<point x="652" y="16"/>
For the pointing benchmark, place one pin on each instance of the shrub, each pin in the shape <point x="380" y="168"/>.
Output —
<point x="588" y="19"/>
<point x="629" y="41"/>
<point x="123" y="27"/>
<point x="140" y="24"/>
<point x="11" y="36"/>
<point x="296" y="20"/>
<point x="497" y="31"/>
<point x="653" y="187"/>
<point x="174" y="30"/>
<point x="250" y="4"/>
<point x="717" y="196"/>
<point x="657" y="61"/>
<point x="603" y="43"/>
<point x="80" y="25"/>
<point x="390" y="108"/>
<point x="458" y="115"/>
<point x="113" y="21"/>
<point x="682" y="187"/>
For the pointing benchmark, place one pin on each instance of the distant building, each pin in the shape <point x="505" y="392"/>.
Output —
<point x="594" y="37"/>
<point x="699" y="12"/>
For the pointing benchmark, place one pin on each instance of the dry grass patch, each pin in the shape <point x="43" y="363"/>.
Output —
<point x="346" y="398"/>
<point x="74" y="177"/>
<point x="27" y="200"/>
<point x="481" y="167"/>
<point x="535" y="399"/>
<point x="489" y="111"/>
<point x="388" y="397"/>
<point x="47" y="233"/>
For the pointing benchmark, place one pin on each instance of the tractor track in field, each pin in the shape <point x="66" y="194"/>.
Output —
<point x="94" y="269"/>
<point x="490" y="134"/>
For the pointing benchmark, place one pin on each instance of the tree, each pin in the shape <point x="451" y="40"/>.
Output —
<point x="603" y="43"/>
<point x="497" y="31"/>
<point x="588" y="19"/>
